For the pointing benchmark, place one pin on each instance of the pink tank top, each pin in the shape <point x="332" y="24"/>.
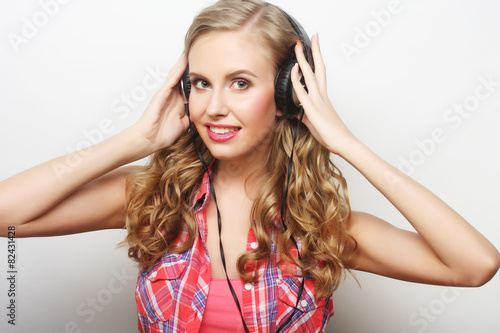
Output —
<point x="221" y="313"/>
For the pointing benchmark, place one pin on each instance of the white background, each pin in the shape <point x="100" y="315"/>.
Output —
<point x="67" y="77"/>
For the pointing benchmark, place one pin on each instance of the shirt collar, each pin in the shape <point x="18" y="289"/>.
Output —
<point x="203" y="193"/>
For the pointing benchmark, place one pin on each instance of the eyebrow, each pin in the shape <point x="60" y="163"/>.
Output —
<point x="229" y="75"/>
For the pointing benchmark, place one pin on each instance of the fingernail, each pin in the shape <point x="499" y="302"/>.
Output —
<point x="299" y="45"/>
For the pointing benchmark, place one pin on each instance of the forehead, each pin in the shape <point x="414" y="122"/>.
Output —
<point x="230" y="50"/>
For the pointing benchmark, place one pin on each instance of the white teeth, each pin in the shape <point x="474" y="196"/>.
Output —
<point x="222" y="130"/>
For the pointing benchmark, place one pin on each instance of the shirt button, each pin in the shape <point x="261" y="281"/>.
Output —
<point x="303" y="303"/>
<point x="248" y="286"/>
<point x="254" y="245"/>
<point x="153" y="275"/>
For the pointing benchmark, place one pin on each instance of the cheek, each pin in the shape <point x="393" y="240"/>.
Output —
<point x="196" y="112"/>
<point x="261" y="106"/>
<point x="194" y="107"/>
<point x="197" y="107"/>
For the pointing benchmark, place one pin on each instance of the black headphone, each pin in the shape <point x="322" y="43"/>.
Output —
<point x="284" y="95"/>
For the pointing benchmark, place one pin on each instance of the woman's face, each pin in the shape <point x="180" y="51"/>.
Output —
<point x="232" y="95"/>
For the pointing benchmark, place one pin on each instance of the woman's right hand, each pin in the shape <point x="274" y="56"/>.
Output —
<point x="165" y="119"/>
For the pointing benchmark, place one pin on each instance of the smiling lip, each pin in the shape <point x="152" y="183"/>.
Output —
<point x="221" y="133"/>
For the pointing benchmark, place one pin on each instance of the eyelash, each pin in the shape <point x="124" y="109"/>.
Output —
<point x="196" y="83"/>
<point x="237" y="81"/>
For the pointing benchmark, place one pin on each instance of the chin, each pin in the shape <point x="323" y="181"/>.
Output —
<point x="222" y="155"/>
<point x="228" y="154"/>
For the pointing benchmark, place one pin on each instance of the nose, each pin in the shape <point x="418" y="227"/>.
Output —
<point x="217" y="104"/>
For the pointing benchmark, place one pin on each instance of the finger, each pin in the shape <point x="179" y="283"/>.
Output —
<point x="301" y="93"/>
<point x="306" y="69"/>
<point x="175" y="73"/>
<point x="319" y="64"/>
<point x="171" y="83"/>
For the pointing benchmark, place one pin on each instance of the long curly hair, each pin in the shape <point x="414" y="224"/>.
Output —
<point x="160" y="199"/>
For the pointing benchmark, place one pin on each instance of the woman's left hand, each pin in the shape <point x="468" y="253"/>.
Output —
<point x="319" y="115"/>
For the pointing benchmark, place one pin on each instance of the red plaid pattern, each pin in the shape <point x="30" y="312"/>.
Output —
<point x="171" y="296"/>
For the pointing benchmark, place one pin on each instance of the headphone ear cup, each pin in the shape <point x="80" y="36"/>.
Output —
<point x="283" y="90"/>
<point x="186" y="84"/>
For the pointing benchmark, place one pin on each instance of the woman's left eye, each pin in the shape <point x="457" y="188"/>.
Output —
<point x="240" y="84"/>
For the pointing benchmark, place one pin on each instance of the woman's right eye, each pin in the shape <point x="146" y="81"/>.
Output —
<point x="201" y="84"/>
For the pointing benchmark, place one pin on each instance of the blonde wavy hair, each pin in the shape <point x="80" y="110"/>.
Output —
<point x="161" y="198"/>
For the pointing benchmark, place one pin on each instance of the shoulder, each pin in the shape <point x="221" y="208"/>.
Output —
<point x="359" y="221"/>
<point x="370" y="231"/>
<point x="375" y="239"/>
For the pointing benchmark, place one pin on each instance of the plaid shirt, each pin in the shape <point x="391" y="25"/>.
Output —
<point x="171" y="296"/>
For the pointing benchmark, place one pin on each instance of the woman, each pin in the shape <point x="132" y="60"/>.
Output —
<point x="234" y="50"/>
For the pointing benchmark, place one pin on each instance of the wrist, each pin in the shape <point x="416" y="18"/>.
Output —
<point x="131" y="146"/>
<point x="346" y="145"/>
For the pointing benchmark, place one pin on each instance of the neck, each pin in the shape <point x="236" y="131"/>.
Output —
<point x="232" y="174"/>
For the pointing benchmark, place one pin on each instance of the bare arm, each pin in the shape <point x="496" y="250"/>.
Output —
<point x="43" y="198"/>
<point x="85" y="190"/>
<point x="94" y="206"/>
<point x="445" y="250"/>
